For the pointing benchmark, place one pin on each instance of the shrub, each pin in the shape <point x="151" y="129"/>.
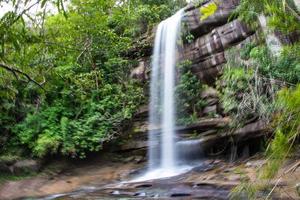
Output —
<point x="189" y="103"/>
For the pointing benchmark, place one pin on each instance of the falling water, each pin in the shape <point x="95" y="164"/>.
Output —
<point x="162" y="154"/>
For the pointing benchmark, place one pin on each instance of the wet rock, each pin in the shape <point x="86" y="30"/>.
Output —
<point x="26" y="166"/>
<point x="116" y="192"/>
<point x="140" y="194"/>
<point x="180" y="195"/>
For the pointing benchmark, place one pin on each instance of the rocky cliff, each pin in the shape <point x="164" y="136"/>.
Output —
<point x="210" y="38"/>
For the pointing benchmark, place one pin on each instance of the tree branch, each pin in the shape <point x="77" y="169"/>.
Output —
<point x="16" y="71"/>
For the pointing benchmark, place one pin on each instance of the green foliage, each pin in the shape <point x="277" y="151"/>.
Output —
<point x="79" y="126"/>
<point x="188" y="95"/>
<point x="244" y="191"/>
<point x="76" y="56"/>
<point x="245" y="90"/>
<point x="287" y="123"/>
<point x="242" y="97"/>
<point x="285" y="68"/>
<point x="282" y="14"/>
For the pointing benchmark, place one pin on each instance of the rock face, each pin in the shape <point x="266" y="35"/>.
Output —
<point x="212" y="36"/>
<point x="207" y="52"/>
<point x="198" y="27"/>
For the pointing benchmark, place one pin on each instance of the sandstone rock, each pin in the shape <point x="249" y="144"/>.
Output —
<point x="139" y="159"/>
<point x="209" y="93"/>
<point x="134" y="145"/>
<point x="140" y="72"/>
<point x="212" y="101"/>
<point x="205" y="124"/>
<point x="207" y="52"/>
<point x="254" y="130"/>
<point x="212" y="36"/>
<point x="251" y="130"/>
<point x="198" y="27"/>
<point x="26" y="166"/>
<point x="142" y="113"/>
<point x="210" y="110"/>
<point x="209" y="76"/>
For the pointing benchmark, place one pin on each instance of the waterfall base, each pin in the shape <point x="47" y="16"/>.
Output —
<point x="161" y="173"/>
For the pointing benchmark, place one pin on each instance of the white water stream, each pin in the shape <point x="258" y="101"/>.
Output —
<point x="162" y="153"/>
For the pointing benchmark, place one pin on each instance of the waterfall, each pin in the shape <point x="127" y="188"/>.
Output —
<point x="162" y="156"/>
<point x="162" y="91"/>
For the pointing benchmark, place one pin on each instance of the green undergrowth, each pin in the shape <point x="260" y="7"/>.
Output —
<point x="189" y="103"/>
<point x="271" y="87"/>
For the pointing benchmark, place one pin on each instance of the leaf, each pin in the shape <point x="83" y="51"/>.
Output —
<point x="208" y="10"/>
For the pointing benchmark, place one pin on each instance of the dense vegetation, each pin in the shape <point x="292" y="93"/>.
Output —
<point x="65" y="85"/>
<point x="259" y="84"/>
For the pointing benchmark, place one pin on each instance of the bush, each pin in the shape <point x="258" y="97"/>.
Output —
<point x="189" y="103"/>
<point x="287" y="130"/>
<point x="63" y="127"/>
<point x="285" y="68"/>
